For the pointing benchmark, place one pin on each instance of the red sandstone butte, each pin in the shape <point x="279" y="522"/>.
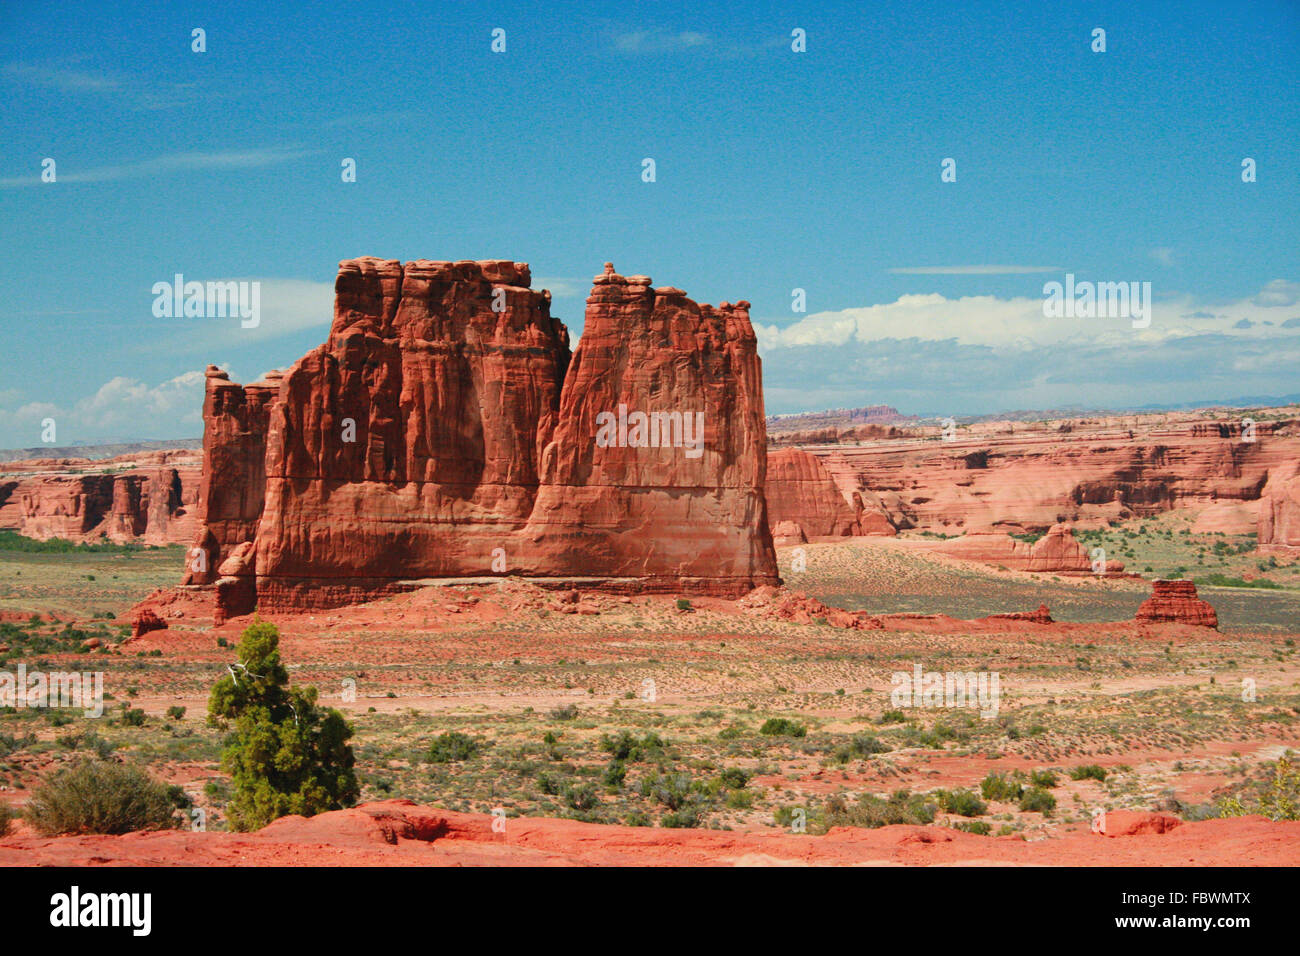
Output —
<point x="1176" y="602"/>
<point x="444" y="430"/>
<point x="672" y="518"/>
<point x="801" y="492"/>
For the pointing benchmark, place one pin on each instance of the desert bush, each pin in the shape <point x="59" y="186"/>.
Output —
<point x="1000" y="786"/>
<point x="567" y="712"/>
<point x="628" y="748"/>
<point x="175" y="713"/>
<point x="781" y="727"/>
<point x="286" y="755"/>
<point x="1090" y="771"/>
<point x="673" y="790"/>
<point x="451" y="746"/>
<point x="1279" y="800"/>
<point x="979" y="827"/>
<point x="100" y="796"/>
<point x="964" y="803"/>
<point x="581" y="797"/>
<point x="1037" y="800"/>
<point x="1043" y="778"/>
<point x="6" y="819"/>
<point x="872" y="811"/>
<point x="860" y="746"/>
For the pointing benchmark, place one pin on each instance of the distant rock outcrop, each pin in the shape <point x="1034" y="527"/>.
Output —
<point x="150" y="498"/>
<point x="1176" y="602"/>
<point x="801" y="492"/>
<point x="1279" y="511"/>
<point x="1055" y="552"/>
<point x="441" y="431"/>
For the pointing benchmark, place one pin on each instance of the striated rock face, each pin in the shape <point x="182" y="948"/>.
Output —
<point x="441" y="432"/>
<point x="1176" y="601"/>
<point x="801" y="490"/>
<point x="673" y="507"/>
<point x="149" y="498"/>
<point x="1023" y="477"/>
<point x="1279" y="511"/>
<point x="1057" y="551"/>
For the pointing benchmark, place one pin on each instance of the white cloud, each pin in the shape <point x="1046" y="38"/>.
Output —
<point x="1019" y="324"/>
<point x="1277" y="293"/>
<point x="166" y="164"/>
<point x="287" y="306"/>
<point x="1163" y="255"/>
<point x="121" y="407"/>
<point x="659" y="41"/>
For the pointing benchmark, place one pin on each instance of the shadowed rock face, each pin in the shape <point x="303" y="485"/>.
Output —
<point x="800" y="491"/>
<point x="440" y="432"/>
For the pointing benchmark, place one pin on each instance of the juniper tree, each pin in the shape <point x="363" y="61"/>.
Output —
<point x="286" y="755"/>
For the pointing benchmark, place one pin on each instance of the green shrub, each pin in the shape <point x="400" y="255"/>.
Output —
<point x="286" y="755"/>
<point x="1088" y="772"/>
<point x="892" y="717"/>
<point x="627" y="747"/>
<point x="451" y="746"/>
<point x="781" y="727"/>
<point x="567" y="712"/>
<point x="734" y="778"/>
<point x="100" y="796"/>
<point x="1002" y="787"/>
<point x="1043" y="778"/>
<point x="1037" y="800"/>
<point x="175" y="713"/>
<point x="1280" y="799"/>
<point x="683" y="604"/>
<point x="964" y="803"/>
<point x="685" y="818"/>
<point x="6" y="819"/>
<point x="979" y="827"/>
<point x="860" y="746"/>
<point x="581" y="797"/>
<point x="872" y="811"/>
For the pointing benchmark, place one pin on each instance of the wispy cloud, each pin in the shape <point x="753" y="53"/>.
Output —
<point x="1163" y="255"/>
<point x="659" y="41"/>
<point x="131" y="92"/>
<point x="65" y="80"/>
<point x="167" y="164"/>
<point x="972" y="270"/>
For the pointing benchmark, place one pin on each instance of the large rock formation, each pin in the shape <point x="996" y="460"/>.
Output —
<point x="800" y="491"/>
<point x="1279" y="512"/>
<point x="676" y="498"/>
<point x="1056" y="552"/>
<point x="1023" y="477"/>
<point x="1176" y="602"/>
<point x="440" y="432"/>
<point x="150" y="498"/>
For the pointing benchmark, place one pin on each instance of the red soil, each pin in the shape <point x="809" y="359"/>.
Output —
<point x="399" y="833"/>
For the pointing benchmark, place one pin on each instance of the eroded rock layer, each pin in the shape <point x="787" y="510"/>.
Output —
<point x="440" y="432"/>
<point x="151" y="498"/>
<point x="1176" y="602"/>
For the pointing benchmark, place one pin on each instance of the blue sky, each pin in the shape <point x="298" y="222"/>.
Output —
<point x="775" y="171"/>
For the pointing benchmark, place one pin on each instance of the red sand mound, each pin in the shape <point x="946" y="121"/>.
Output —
<point x="399" y="833"/>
